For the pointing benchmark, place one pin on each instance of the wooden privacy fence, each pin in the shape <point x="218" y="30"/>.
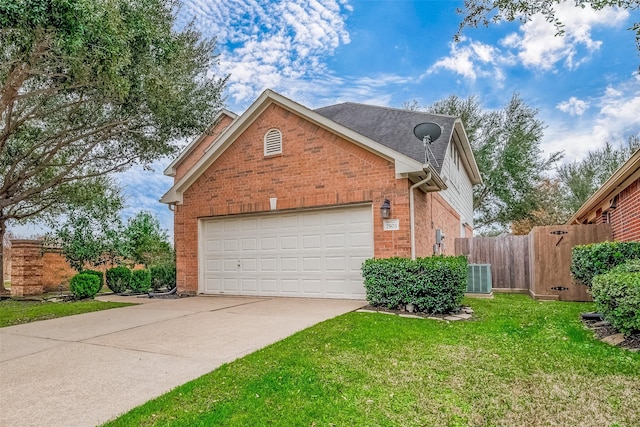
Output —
<point x="538" y="263"/>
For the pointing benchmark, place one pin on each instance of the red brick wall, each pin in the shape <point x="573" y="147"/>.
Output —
<point x="316" y="168"/>
<point x="26" y="267"/>
<point x="199" y="149"/>
<point x="36" y="269"/>
<point x="625" y="218"/>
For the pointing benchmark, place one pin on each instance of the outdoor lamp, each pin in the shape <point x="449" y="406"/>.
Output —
<point x="385" y="209"/>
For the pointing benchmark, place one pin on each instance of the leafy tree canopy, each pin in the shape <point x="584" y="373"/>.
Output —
<point x="91" y="87"/>
<point x="485" y="12"/>
<point x="145" y="242"/>
<point x="581" y="178"/>
<point x="506" y="146"/>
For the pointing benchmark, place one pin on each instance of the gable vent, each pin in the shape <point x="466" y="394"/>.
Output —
<point x="272" y="142"/>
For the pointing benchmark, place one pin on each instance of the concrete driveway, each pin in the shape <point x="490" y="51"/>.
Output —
<point x="84" y="370"/>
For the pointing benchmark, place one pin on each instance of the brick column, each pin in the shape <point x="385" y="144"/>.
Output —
<point x="26" y="267"/>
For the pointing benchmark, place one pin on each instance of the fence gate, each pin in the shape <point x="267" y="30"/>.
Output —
<point x="550" y="255"/>
<point x="538" y="263"/>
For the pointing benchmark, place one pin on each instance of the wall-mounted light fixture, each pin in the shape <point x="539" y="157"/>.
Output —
<point x="385" y="209"/>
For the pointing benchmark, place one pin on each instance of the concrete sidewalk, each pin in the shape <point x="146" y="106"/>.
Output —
<point x="84" y="370"/>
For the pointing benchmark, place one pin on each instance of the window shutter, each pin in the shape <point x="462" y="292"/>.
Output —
<point x="272" y="142"/>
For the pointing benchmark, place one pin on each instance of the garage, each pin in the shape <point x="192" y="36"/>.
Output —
<point x="310" y="253"/>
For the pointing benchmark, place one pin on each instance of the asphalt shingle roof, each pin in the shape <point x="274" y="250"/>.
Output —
<point x="393" y="128"/>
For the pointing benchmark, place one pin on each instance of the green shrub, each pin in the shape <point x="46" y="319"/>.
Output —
<point x="84" y="285"/>
<point x="140" y="281"/>
<point x="385" y="281"/>
<point x="439" y="284"/>
<point x="119" y="279"/>
<point x="432" y="284"/>
<point x="96" y="273"/>
<point x="163" y="276"/>
<point x="617" y="298"/>
<point x="587" y="261"/>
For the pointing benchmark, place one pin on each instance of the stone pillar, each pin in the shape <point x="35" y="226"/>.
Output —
<point x="26" y="267"/>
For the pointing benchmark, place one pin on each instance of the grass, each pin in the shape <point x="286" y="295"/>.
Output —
<point x="14" y="312"/>
<point x="519" y="362"/>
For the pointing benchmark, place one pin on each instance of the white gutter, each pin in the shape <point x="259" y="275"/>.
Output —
<point x="412" y="214"/>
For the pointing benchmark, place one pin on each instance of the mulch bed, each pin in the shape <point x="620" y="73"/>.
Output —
<point x="467" y="310"/>
<point x="603" y="329"/>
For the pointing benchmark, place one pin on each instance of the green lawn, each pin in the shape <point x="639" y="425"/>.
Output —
<point x="14" y="312"/>
<point x="518" y="363"/>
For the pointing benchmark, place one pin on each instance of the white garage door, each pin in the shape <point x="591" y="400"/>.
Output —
<point x="299" y="254"/>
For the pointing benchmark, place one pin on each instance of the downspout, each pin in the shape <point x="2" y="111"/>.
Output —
<point x="412" y="214"/>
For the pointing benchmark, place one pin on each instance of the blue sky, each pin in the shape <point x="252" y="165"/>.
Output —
<point x="320" y="52"/>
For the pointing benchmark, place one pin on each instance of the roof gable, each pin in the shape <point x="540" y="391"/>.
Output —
<point x="406" y="163"/>
<point x="186" y="151"/>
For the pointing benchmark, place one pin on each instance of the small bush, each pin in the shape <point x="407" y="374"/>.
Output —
<point x="432" y="284"/>
<point x="84" y="285"/>
<point x="163" y="276"/>
<point x="587" y="261"/>
<point x="617" y="298"/>
<point x="96" y="273"/>
<point x="119" y="279"/>
<point x="385" y="281"/>
<point x="140" y="281"/>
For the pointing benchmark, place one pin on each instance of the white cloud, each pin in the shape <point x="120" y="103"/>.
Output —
<point x="471" y="59"/>
<point x="573" y="106"/>
<point x="615" y="117"/>
<point x="539" y="47"/>
<point x="264" y="44"/>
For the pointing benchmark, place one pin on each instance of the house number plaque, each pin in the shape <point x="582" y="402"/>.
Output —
<point x="391" y="224"/>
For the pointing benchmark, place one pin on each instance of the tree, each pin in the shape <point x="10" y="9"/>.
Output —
<point x="145" y="242"/>
<point x="580" y="179"/>
<point x="484" y="12"/>
<point x="91" y="87"/>
<point x="506" y="146"/>
<point x="91" y="233"/>
<point x="551" y="209"/>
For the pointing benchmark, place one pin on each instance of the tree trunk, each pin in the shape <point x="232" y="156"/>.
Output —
<point x="3" y="230"/>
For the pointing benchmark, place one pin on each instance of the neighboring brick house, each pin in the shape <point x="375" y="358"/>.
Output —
<point x="617" y="202"/>
<point x="284" y="200"/>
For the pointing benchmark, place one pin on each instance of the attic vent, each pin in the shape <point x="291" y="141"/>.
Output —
<point x="272" y="142"/>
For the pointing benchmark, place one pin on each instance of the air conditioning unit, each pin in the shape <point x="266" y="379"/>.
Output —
<point x="479" y="279"/>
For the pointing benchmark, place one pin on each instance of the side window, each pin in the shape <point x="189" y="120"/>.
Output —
<point x="272" y="142"/>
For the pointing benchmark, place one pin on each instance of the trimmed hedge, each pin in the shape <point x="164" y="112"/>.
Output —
<point x="84" y="285"/>
<point x="617" y="297"/>
<point x="433" y="284"/>
<point x="119" y="279"/>
<point x="96" y="273"/>
<point x="587" y="261"/>
<point x="163" y="276"/>
<point x="140" y="281"/>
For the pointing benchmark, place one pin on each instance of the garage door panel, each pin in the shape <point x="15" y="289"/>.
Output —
<point x="268" y="244"/>
<point x="269" y="286"/>
<point x="289" y="286"/>
<point x="360" y="240"/>
<point x="289" y="264"/>
<point x="230" y="285"/>
<point x="289" y="242"/>
<point x="313" y="241"/>
<point x="250" y="285"/>
<point x="336" y="264"/>
<point x="268" y="265"/>
<point x="306" y="253"/>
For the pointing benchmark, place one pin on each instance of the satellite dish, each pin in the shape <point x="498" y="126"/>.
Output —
<point x="427" y="133"/>
<point x="429" y="130"/>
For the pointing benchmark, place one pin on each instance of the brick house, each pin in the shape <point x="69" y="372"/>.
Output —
<point x="617" y="202"/>
<point x="285" y="200"/>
